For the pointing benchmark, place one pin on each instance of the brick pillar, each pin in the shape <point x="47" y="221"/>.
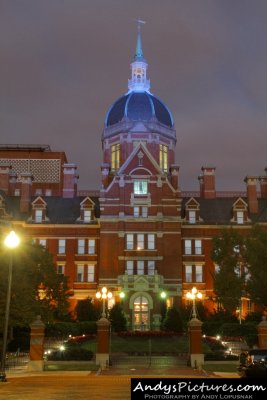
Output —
<point x="263" y="185"/>
<point x="262" y="333"/>
<point x="26" y="191"/>
<point x="252" y="199"/>
<point x="195" y="343"/>
<point x="207" y="183"/>
<point x="36" y="362"/>
<point x="103" y="336"/>
<point x="70" y="178"/>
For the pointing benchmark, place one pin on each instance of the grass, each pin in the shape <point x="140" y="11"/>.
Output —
<point x="220" y="367"/>
<point x="69" y="366"/>
<point x="143" y="344"/>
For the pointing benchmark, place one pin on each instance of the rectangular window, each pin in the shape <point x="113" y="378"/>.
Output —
<point x="87" y="215"/>
<point x="91" y="246"/>
<point x="188" y="246"/>
<point x="144" y="212"/>
<point x="115" y="157"/>
<point x="140" y="187"/>
<point x="240" y="217"/>
<point x="188" y="273"/>
<point x="198" y="247"/>
<point x="80" y="273"/>
<point x="129" y="241"/>
<point x="136" y="212"/>
<point x="81" y="246"/>
<point x="42" y="242"/>
<point x="38" y="216"/>
<point x="129" y="267"/>
<point x="48" y="192"/>
<point x="151" y="267"/>
<point x="199" y="273"/>
<point x="151" y="241"/>
<point x="91" y="273"/>
<point x="140" y="267"/>
<point x="140" y="241"/>
<point x="60" y="269"/>
<point x="61" y="246"/>
<point x="163" y="157"/>
<point x="192" y="217"/>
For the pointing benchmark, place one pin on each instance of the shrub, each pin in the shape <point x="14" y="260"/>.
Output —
<point x="71" y="353"/>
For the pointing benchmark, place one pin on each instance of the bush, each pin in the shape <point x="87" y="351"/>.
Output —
<point x="64" y="329"/>
<point x="71" y="353"/>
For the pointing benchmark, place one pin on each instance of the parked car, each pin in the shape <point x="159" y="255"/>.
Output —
<point x="253" y="364"/>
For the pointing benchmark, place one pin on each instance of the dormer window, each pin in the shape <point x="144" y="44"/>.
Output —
<point x="87" y="216"/>
<point x="38" y="217"/>
<point x="192" y="217"/>
<point x="86" y="211"/>
<point x="240" y="212"/>
<point x="192" y="211"/>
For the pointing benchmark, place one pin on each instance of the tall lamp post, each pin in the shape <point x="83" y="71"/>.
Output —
<point x="103" y="295"/>
<point x="193" y="295"/>
<point x="11" y="242"/>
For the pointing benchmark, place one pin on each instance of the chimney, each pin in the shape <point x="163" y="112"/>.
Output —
<point x="207" y="183"/>
<point x="26" y="179"/>
<point x="12" y="182"/>
<point x="70" y="179"/>
<point x="4" y="177"/>
<point x="105" y="174"/>
<point x="251" y="182"/>
<point x="263" y="185"/>
<point x="174" y="170"/>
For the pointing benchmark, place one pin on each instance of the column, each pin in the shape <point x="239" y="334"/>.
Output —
<point x="103" y="337"/>
<point x="36" y="362"/>
<point x="195" y="343"/>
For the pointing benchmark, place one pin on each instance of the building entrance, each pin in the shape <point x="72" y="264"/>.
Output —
<point x="141" y="314"/>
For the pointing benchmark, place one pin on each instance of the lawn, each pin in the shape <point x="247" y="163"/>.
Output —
<point x="222" y="367"/>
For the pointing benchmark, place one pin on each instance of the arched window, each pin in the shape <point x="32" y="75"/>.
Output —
<point x="141" y="313"/>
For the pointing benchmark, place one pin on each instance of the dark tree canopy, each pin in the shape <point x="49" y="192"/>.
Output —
<point x="117" y="318"/>
<point x="37" y="289"/>
<point x="86" y="310"/>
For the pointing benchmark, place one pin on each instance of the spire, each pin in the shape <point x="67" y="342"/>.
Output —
<point x="139" y="51"/>
<point x="139" y="82"/>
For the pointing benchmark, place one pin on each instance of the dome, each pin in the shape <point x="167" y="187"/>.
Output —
<point x="139" y="106"/>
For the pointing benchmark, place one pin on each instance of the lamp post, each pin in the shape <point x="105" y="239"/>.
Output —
<point x="193" y="295"/>
<point x="103" y="295"/>
<point x="11" y="242"/>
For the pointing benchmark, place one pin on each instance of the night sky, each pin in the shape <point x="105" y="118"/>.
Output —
<point x="64" y="62"/>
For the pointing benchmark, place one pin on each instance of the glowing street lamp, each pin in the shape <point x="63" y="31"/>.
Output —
<point x="193" y="295"/>
<point x="103" y="295"/>
<point x="11" y="242"/>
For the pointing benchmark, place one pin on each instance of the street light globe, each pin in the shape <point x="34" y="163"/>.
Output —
<point x="109" y="295"/>
<point x="104" y="290"/>
<point x="98" y="295"/>
<point x="163" y="295"/>
<point x="12" y="240"/>
<point x="122" y="295"/>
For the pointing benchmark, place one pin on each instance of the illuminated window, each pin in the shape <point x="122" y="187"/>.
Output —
<point x="188" y="273"/>
<point x="42" y="242"/>
<point x="240" y="217"/>
<point x="129" y="267"/>
<point x="198" y="247"/>
<point x="199" y="273"/>
<point x="129" y="241"/>
<point x="188" y="246"/>
<point x="81" y="246"/>
<point x="61" y="246"/>
<point x="91" y="246"/>
<point x="87" y="215"/>
<point x="140" y="267"/>
<point x="163" y="157"/>
<point x="140" y="241"/>
<point x="151" y="267"/>
<point x="140" y="187"/>
<point x="141" y="313"/>
<point x="115" y="157"/>
<point x="151" y="241"/>
<point x="91" y="273"/>
<point x="38" y="216"/>
<point x="192" y="217"/>
<point x="80" y="273"/>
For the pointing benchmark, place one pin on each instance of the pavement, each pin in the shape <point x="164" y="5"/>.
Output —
<point x="112" y="383"/>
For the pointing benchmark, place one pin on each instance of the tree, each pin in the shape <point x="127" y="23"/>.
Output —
<point x="228" y="253"/>
<point x="37" y="289"/>
<point x="173" y="321"/>
<point x="117" y="318"/>
<point x="256" y="257"/>
<point x="86" y="310"/>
